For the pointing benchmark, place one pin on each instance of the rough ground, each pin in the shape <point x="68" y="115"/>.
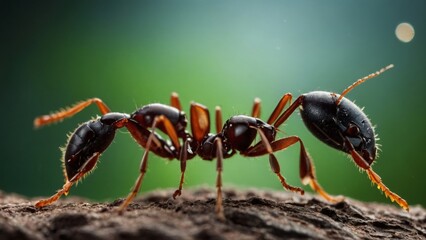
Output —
<point x="250" y="214"/>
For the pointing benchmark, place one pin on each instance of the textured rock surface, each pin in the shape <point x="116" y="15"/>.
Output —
<point x="250" y="214"/>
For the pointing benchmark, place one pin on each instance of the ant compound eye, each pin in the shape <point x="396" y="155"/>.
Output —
<point x="353" y="130"/>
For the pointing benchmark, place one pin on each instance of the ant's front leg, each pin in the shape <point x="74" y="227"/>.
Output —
<point x="307" y="170"/>
<point x="374" y="177"/>
<point x="275" y="166"/>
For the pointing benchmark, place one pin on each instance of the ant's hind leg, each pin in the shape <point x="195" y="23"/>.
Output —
<point x="69" y="112"/>
<point x="85" y="169"/>
<point x="45" y="202"/>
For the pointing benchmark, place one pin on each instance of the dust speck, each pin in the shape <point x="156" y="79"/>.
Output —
<point x="404" y="32"/>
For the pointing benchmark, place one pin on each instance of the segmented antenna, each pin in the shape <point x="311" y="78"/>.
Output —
<point x="361" y="80"/>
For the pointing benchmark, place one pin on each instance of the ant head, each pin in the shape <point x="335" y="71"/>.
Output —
<point x="362" y="139"/>
<point x="84" y="147"/>
<point x="333" y="124"/>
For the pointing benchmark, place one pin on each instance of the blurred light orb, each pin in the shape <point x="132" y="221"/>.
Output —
<point x="404" y="32"/>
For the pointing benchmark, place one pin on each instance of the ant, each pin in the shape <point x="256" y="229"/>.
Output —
<point x="331" y="117"/>
<point x="92" y="138"/>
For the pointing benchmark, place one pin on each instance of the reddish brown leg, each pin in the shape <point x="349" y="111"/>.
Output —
<point x="200" y="121"/>
<point x="286" y="114"/>
<point x="219" y="168"/>
<point x="69" y="112"/>
<point x="89" y="165"/>
<point x="175" y="102"/>
<point x="65" y="189"/>
<point x="275" y="166"/>
<point x="307" y="171"/>
<point x="182" y="158"/>
<point x="142" y="170"/>
<point x="307" y="174"/>
<point x="144" y="162"/>
<point x="374" y="177"/>
<point x="255" y="112"/>
<point x="170" y="130"/>
<point x="218" y="119"/>
<point x="279" y="108"/>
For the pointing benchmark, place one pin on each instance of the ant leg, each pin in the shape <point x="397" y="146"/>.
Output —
<point x="200" y="121"/>
<point x="218" y="119"/>
<point x="255" y="112"/>
<point x="45" y="202"/>
<point x="279" y="108"/>
<point x="138" y="182"/>
<point x="275" y="166"/>
<point x="307" y="170"/>
<point x="142" y="170"/>
<point x="170" y="130"/>
<point x="175" y="102"/>
<point x="69" y="112"/>
<point x="219" y="168"/>
<point x="89" y="165"/>
<point x="308" y="175"/>
<point x="286" y="114"/>
<point x="182" y="157"/>
<point x="374" y="177"/>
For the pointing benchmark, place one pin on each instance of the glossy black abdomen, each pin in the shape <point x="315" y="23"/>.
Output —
<point x="89" y="138"/>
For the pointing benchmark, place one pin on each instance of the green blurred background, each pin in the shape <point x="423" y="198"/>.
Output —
<point x="222" y="53"/>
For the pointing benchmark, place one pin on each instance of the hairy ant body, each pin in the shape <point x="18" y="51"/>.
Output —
<point x="92" y="138"/>
<point x="331" y="117"/>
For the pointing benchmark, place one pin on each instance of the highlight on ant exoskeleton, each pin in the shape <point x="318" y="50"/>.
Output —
<point x="332" y="118"/>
